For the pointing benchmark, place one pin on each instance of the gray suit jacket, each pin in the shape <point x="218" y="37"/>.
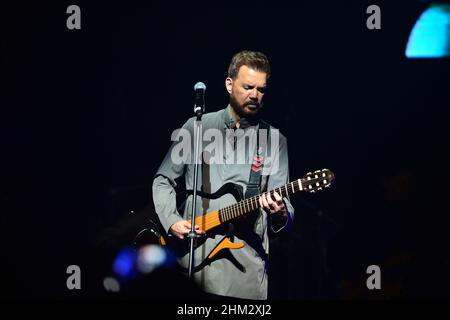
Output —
<point x="240" y="273"/>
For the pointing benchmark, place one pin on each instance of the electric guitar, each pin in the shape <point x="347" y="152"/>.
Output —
<point x="311" y="182"/>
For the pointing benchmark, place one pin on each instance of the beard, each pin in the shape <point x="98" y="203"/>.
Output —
<point x="249" y="109"/>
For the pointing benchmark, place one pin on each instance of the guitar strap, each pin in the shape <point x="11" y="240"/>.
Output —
<point x="254" y="182"/>
<point x="253" y="189"/>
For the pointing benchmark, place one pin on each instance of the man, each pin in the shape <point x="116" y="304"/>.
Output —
<point x="239" y="273"/>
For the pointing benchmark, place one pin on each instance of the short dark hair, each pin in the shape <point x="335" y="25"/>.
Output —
<point x="252" y="59"/>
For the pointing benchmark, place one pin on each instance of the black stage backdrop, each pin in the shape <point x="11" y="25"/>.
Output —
<point x="86" y="118"/>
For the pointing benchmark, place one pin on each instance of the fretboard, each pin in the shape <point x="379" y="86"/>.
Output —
<point x="248" y="205"/>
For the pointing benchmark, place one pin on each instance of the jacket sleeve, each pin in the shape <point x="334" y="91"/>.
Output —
<point x="279" y="176"/>
<point x="172" y="167"/>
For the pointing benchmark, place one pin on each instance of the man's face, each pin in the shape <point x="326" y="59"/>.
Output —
<point x="247" y="91"/>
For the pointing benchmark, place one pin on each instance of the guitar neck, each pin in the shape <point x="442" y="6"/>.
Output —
<point x="251" y="204"/>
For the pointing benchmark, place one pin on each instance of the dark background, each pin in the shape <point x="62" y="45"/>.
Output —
<point x="86" y="118"/>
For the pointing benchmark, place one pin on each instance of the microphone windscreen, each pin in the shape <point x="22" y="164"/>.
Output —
<point x="199" y="85"/>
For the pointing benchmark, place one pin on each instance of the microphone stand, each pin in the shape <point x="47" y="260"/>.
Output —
<point x="192" y="234"/>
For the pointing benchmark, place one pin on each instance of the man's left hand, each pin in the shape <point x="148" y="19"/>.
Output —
<point x="273" y="204"/>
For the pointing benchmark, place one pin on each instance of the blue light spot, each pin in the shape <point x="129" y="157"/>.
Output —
<point x="124" y="264"/>
<point x="430" y="37"/>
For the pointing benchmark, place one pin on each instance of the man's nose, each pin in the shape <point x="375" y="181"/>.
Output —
<point x="254" y="94"/>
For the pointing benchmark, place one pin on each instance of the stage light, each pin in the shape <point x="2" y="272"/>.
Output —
<point x="151" y="257"/>
<point x="111" y="284"/>
<point x="430" y="36"/>
<point x="124" y="264"/>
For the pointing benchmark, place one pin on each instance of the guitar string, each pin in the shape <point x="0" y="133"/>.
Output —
<point x="234" y="210"/>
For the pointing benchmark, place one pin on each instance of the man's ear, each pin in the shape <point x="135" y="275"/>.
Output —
<point x="228" y="84"/>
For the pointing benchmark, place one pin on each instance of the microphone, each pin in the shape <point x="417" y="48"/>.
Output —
<point x="199" y="105"/>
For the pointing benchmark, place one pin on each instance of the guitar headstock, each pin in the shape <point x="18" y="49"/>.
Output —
<point x="317" y="180"/>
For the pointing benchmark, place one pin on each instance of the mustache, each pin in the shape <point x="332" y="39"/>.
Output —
<point x="254" y="103"/>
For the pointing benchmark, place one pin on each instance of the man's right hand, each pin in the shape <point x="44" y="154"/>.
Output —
<point x="182" y="228"/>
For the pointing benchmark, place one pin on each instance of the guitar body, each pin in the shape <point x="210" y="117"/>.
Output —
<point x="154" y="233"/>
